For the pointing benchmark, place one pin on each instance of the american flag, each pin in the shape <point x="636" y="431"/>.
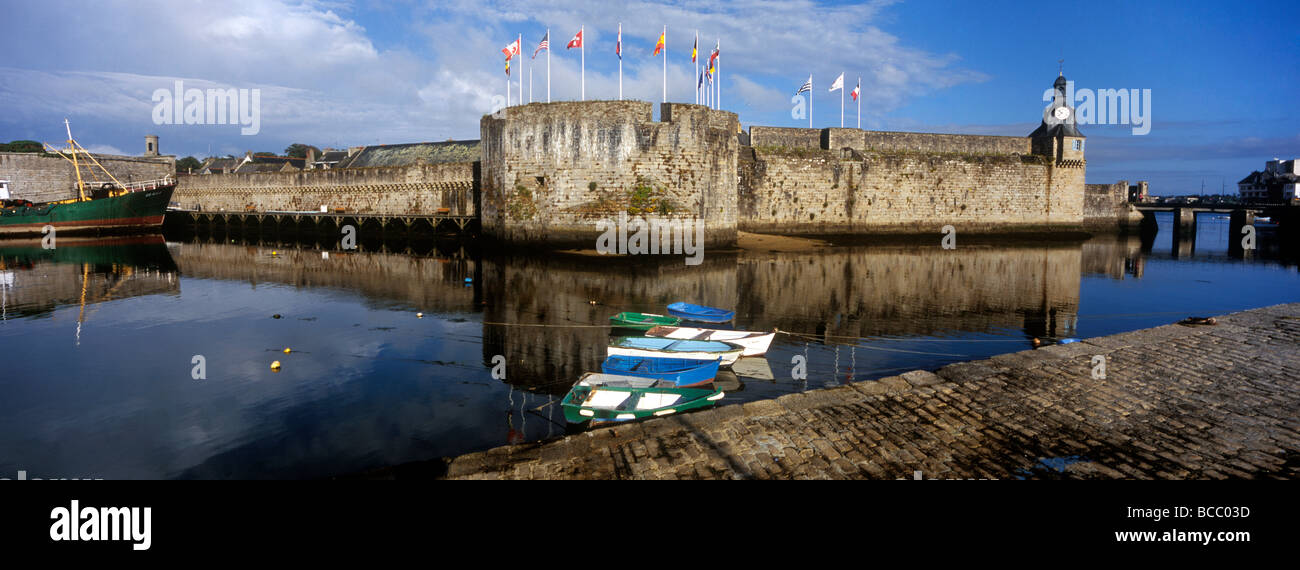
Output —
<point x="546" y="44"/>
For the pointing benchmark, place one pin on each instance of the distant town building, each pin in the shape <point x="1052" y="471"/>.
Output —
<point x="1276" y="183"/>
<point x="404" y="154"/>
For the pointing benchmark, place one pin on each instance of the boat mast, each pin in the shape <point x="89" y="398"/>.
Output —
<point x="81" y="186"/>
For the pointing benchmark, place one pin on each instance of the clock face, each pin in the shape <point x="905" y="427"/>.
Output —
<point x="1062" y="113"/>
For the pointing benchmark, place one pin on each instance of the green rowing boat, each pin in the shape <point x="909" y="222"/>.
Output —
<point x="642" y="321"/>
<point x="607" y="397"/>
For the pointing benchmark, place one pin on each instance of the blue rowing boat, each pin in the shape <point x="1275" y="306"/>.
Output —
<point x="681" y="372"/>
<point x="655" y="347"/>
<point x="700" y="313"/>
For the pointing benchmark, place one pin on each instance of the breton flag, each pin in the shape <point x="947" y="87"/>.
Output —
<point x="544" y="45"/>
<point x="839" y="83"/>
<point x="576" y="42"/>
<point x="659" y="46"/>
<point x="511" y="50"/>
<point x="856" y="90"/>
<point x="806" y="88"/>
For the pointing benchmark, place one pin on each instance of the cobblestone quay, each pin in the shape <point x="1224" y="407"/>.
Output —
<point x="1176" y="401"/>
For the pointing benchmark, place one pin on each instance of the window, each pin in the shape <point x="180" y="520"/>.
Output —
<point x="1078" y="145"/>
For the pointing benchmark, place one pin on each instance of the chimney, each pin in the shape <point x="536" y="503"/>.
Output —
<point x="151" y="145"/>
<point x="311" y="159"/>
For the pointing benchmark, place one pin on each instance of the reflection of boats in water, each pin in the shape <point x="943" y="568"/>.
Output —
<point x="81" y="271"/>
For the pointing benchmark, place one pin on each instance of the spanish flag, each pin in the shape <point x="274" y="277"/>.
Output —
<point x="659" y="46"/>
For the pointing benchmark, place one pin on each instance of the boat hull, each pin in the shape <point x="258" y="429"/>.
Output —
<point x="755" y="343"/>
<point x="609" y="398"/>
<point x="682" y="372"/>
<point x="700" y="313"/>
<point x="641" y="321"/>
<point x="728" y="358"/>
<point x="134" y="212"/>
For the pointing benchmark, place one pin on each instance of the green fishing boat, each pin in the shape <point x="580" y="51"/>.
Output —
<point x="99" y="207"/>
<point x="642" y="321"/>
<point x="612" y="398"/>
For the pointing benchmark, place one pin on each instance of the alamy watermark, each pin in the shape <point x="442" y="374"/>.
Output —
<point x="1102" y="107"/>
<point x="652" y="235"/>
<point x="181" y="106"/>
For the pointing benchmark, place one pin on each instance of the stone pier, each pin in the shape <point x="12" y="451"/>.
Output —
<point x="1173" y="402"/>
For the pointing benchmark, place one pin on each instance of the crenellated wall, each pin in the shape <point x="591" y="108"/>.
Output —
<point x="551" y="170"/>
<point x="415" y="189"/>
<point x="845" y="191"/>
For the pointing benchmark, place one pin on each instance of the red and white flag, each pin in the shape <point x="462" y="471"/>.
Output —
<point x="838" y="84"/>
<point x="511" y="50"/>
<point x="576" y="42"/>
<point x="856" y="91"/>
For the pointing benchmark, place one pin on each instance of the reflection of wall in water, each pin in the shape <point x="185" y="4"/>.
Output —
<point x="558" y="291"/>
<point x="1114" y="255"/>
<point x="435" y="284"/>
<point x="912" y="290"/>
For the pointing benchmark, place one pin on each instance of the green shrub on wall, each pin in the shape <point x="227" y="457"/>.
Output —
<point x="521" y="206"/>
<point x="645" y="198"/>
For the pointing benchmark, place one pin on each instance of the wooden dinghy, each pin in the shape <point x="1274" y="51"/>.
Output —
<point x="700" y="313"/>
<point x="681" y="372"/>
<point x="607" y="397"/>
<point x="641" y="321"/>
<point x="674" y="348"/>
<point x="755" y="343"/>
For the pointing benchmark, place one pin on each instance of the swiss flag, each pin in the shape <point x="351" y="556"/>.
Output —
<point x="511" y="50"/>
<point x="576" y="42"/>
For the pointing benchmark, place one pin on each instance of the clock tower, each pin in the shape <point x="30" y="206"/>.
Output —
<point x="1058" y="137"/>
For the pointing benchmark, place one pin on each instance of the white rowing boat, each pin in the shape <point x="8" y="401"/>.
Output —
<point x="755" y="343"/>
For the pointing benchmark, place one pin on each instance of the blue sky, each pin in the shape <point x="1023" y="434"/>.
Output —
<point x="1222" y="75"/>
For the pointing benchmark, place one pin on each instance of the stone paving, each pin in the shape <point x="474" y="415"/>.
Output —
<point x="1176" y="402"/>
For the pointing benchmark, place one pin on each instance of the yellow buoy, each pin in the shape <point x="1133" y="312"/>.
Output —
<point x="286" y="350"/>
<point x="273" y="253"/>
<point x="275" y="365"/>
<point x="419" y="315"/>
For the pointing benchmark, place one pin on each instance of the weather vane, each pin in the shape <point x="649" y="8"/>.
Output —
<point x="1060" y="66"/>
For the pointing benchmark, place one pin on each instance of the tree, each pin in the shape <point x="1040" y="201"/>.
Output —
<point x="299" y="150"/>
<point x="187" y="164"/>
<point x="22" y="146"/>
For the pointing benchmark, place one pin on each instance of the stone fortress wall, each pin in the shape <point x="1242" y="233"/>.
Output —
<point x="413" y="189"/>
<point x="47" y="178"/>
<point x="552" y="170"/>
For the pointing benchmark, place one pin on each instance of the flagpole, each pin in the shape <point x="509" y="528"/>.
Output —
<point x="841" y="100"/>
<point x="548" y="65"/>
<point x="530" y="84"/>
<point x="520" y="45"/>
<point x="582" y="93"/>
<point x="695" y="59"/>
<point x="859" y="102"/>
<point x="717" y="80"/>
<point x="665" y="36"/>
<point x="811" y="90"/>
<point x="508" y="82"/>
<point x="620" y="61"/>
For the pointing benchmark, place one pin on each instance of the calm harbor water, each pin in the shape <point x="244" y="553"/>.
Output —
<point x="103" y="336"/>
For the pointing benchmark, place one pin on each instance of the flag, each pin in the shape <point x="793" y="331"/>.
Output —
<point x="713" y="57"/>
<point x="660" y="45"/>
<point x="806" y="88"/>
<point x="618" y="45"/>
<point x="695" y="49"/>
<point x="507" y="67"/>
<point x="511" y="50"/>
<point x="576" y="42"/>
<point x="701" y="84"/>
<point x="856" y="91"/>
<point x="544" y="45"/>
<point x="839" y="83"/>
